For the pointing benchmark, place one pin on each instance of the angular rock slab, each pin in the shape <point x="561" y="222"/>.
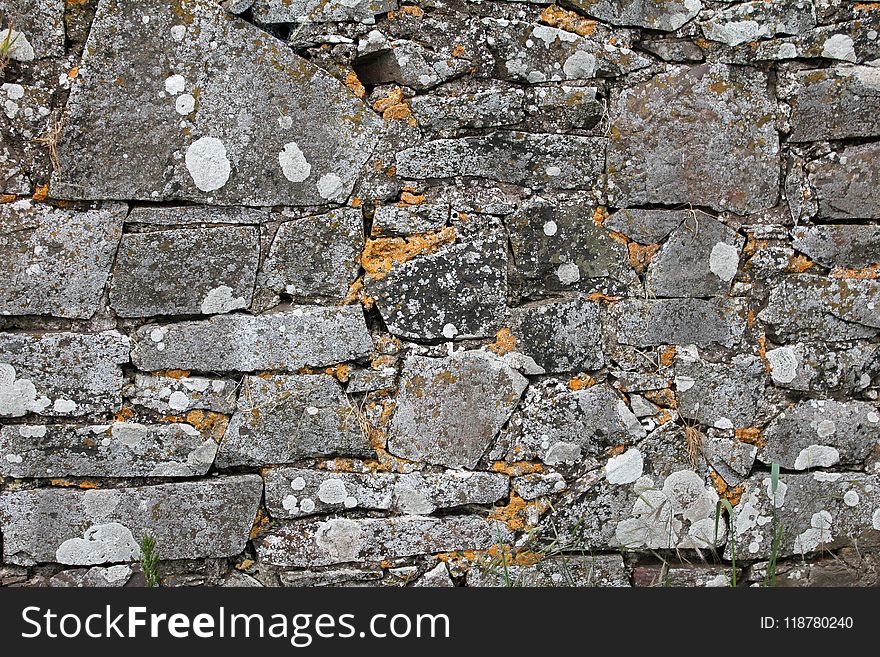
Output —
<point x="810" y="308"/>
<point x="751" y="21"/>
<point x="316" y="257"/>
<point x="341" y="540"/>
<point x="286" y="417"/>
<point x="188" y="520"/>
<point x="170" y="395"/>
<point x="287" y="340"/>
<point x="561" y="426"/>
<point x="457" y="292"/>
<point x="835" y="103"/>
<point x="186" y="215"/>
<point x="189" y="271"/>
<point x="320" y="11"/>
<point x="819" y="366"/>
<point x="61" y="374"/>
<point x="557" y="246"/>
<point x="665" y="15"/>
<point x="56" y="262"/>
<point x="450" y="409"/>
<point x="166" y="110"/>
<point x="574" y="569"/>
<point x="123" y="449"/>
<point x="822" y="434"/>
<point x="40" y="21"/>
<point x="700" y="259"/>
<point x="521" y="158"/>
<point x="297" y="492"/>
<point x="647" y="226"/>
<point x="845" y="184"/>
<point x="722" y="395"/>
<point x="679" y="321"/>
<point x="848" y="246"/>
<point x="704" y="135"/>
<point x="817" y="512"/>
<point x="559" y="336"/>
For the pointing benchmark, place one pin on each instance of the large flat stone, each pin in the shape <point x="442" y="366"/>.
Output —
<point x="56" y="262"/>
<point x="316" y="257"/>
<point x="846" y="183"/>
<point x="816" y="512"/>
<point x="61" y="374"/>
<point x="835" y="103"/>
<point x="547" y="161"/>
<point x="450" y="409"/>
<point x="320" y="11"/>
<point x="181" y="393"/>
<point x="666" y="15"/>
<point x="822" y="434"/>
<point x="123" y="449"/>
<point x="165" y="109"/>
<point x="188" y="520"/>
<point x="569" y="570"/>
<point x="341" y="540"/>
<point x="723" y="395"/>
<point x="751" y="21"/>
<point x="702" y="322"/>
<point x="813" y="308"/>
<point x="848" y="246"/>
<point x="286" y="340"/>
<point x="704" y="135"/>
<point x="186" y="215"/>
<point x="286" y="417"/>
<point x="189" y="271"/>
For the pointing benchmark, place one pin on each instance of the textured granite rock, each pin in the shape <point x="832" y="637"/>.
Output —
<point x="664" y="128"/>
<point x="720" y="395"/>
<point x="450" y="409"/>
<point x="190" y="271"/>
<point x="40" y="24"/>
<point x="122" y="449"/>
<point x="61" y="374"/>
<point x="563" y="571"/>
<point x="281" y="418"/>
<point x="286" y="340"/>
<point x="835" y="103"/>
<point x="176" y="93"/>
<point x="678" y="321"/>
<point x="852" y="247"/>
<point x="56" y="262"/>
<point x="845" y="183"/>
<point x="190" y="520"/>
<point x="663" y="15"/>
<point x="180" y="393"/>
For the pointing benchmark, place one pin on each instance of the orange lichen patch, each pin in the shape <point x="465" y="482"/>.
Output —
<point x="381" y="254"/>
<point x="173" y="374"/>
<point x="244" y="564"/>
<point x="411" y="196"/>
<point x="604" y="298"/>
<point x="664" y="397"/>
<point x="719" y="87"/>
<point x="264" y="375"/>
<point x="619" y="237"/>
<point x="868" y="273"/>
<point x="732" y="494"/>
<point x="89" y="485"/>
<point x="61" y="482"/>
<point x="353" y="83"/>
<point x="407" y="10"/>
<point x="356" y="202"/>
<point x="762" y="352"/>
<point x="124" y="415"/>
<point x="616" y="450"/>
<point x="640" y="256"/>
<point x="358" y="294"/>
<point x="751" y="318"/>
<point x="567" y="20"/>
<point x="520" y="514"/>
<point x="581" y="382"/>
<point x="750" y="435"/>
<point x="72" y="73"/>
<point x="667" y="356"/>
<point x="600" y="215"/>
<point x="798" y="264"/>
<point x="391" y="171"/>
<point x="753" y="245"/>
<point x="394" y="107"/>
<point x="458" y="52"/>
<point x="663" y="417"/>
<point x="867" y="6"/>
<point x="260" y="523"/>
<point x="208" y="421"/>
<point x="41" y="193"/>
<point x="517" y="468"/>
<point x="504" y="342"/>
<point x="340" y="372"/>
<point x="8" y="198"/>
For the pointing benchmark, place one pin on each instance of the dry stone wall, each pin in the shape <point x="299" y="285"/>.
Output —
<point x="420" y="292"/>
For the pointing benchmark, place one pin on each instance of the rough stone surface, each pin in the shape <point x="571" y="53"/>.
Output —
<point x="720" y="395"/>
<point x="835" y="103"/>
<point x="180" y="393"/>
<point x="845" y="184"/>
<point x="56" y="262"/>
<point x="288" y="340"/>
<point x="664" y="129"/>
<point x="679" y="322"/>
<point x="284" y="417"/>
<point x="450" y="409"/>
<point x="652" y="14"/>
<point x="227" y="149"/>
<point x="61" y="374"/>
<point x="185" y="272"/>
<point x="190" y="520"/>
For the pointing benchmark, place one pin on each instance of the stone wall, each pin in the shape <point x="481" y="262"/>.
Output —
<point x="420" y="293"/>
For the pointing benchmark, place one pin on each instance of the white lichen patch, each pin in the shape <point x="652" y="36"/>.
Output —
<point x="175" y="84"/>
<point x="330" y="187"/>
<point x="819" y="533"/>
<point x="185" y="104"/>
<point x="579" y="64"/>
<point x="18" y="396"/>
<point x="64" y="406"/>
<point x="293" y="163"/>
<point x="332" y="491"/>
<point x="550" y="228"/>
<point x="178" y="401"/>
<point x="100" y="544"/>
<point x="625" y="468"/>
<point x="851" y="498"/>
<point x="817" y="456"/>
<point x="568" y="273"/>
<point x="341" y="539"/>
<point x="784" y="363"/>
<point x="841" y="47"/>
<point x="875" y="519"/>
<point x="32" y="431"/>
<point x="724" y="261"/>
<point x="207" y="163"/>
<point x="221" y="300"/>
